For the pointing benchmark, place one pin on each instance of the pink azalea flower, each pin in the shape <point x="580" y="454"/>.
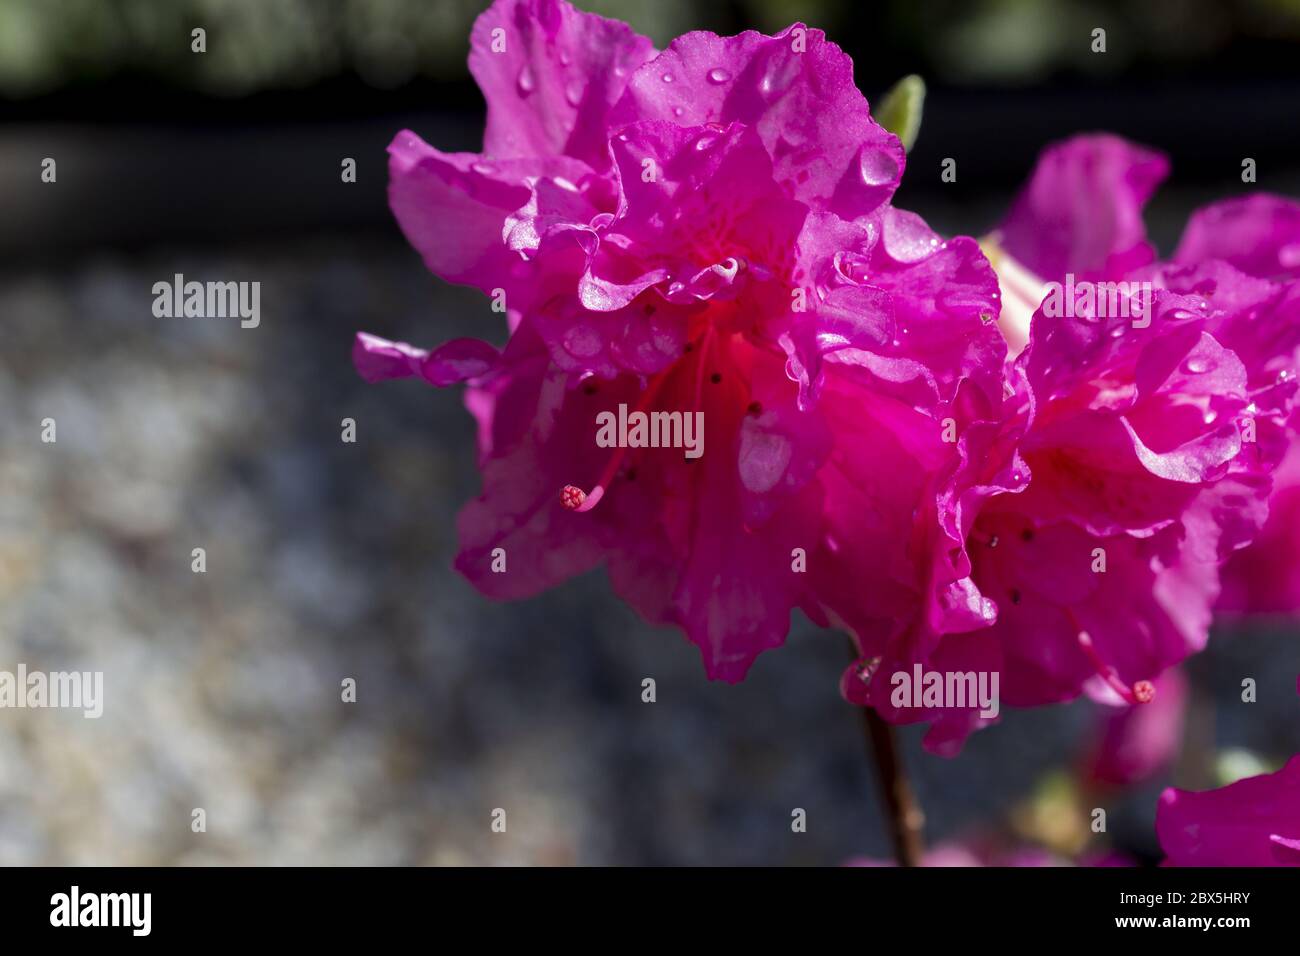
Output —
<point x="1083" y="535"/>
<point x="1253" y="822"/>
<point x="705" y="229"/>
<point x="1259" y="235"/>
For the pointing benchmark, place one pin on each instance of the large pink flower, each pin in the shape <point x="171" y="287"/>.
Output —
<point x="705" y="229"/>
<point x="1087" y="530"/>
<point x="1253" y="822"/>
<point x="1082" y="212"/>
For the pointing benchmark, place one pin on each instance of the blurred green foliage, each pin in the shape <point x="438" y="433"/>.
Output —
<point x="256" y="44"/>
<point x="277" y="44"/>
<point x="900" y="109"/>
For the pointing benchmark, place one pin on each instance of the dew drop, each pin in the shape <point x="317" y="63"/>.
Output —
<point x="907" y="237"/>
<point x="877" y="167"/>
<point x="1197" y="365"/>
<point x="705" y="141"/>
<point x="526" y="82"/>
<point x="988" y="610"/>
<point x="667" y="77"/>
<point x="781" y="72"/>
<point x="573" y="93"/>
<point x="718" y="75"/>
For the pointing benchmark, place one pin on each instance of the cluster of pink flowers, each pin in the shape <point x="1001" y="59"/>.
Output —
<point x="890" y="449"/>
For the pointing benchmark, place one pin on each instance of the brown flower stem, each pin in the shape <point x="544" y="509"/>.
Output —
<point x="905" y="817"/>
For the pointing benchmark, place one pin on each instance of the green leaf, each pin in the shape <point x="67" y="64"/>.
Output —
<point x="1236" y="764"/>
<point x="900" y="109"/>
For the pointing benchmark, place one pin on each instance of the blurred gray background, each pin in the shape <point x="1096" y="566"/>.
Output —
<point x="328" y="560"/>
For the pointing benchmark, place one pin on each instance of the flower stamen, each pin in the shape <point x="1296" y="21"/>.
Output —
<point x="574" y="498"/>
<point x="1142" y="692"/>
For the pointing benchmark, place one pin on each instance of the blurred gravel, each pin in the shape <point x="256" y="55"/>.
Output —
<point x="328" y="560"/>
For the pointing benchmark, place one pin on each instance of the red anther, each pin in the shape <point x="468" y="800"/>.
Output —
<point x="1142" y="692"/>
<point x="572" y="497"/>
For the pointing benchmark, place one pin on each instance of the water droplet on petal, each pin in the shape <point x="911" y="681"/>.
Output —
<point x="877" y="167"/>
<point x="988" y="610"/>
<point x="907" y="237"/>
<point x="573" y="93"/>
<point x="781" y="72"/>
<point x="526" y="82"/>
<point x="565" y="59"/>
<point x="667" y="77"/>
<point x="1198" y="365"/>
<point x="718" y="75"/>
<point x="678" y="111"/>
